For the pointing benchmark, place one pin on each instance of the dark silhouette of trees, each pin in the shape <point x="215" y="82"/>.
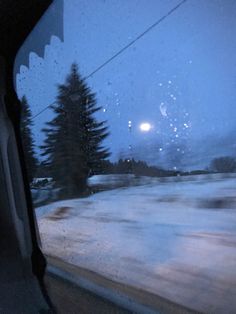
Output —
<point x="73" y="144"/>
<point x="223" y="164"/>
<point x="27" y="139"/>
<point x="136" y="167"/>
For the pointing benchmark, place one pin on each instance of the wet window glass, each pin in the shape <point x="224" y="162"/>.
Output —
<point x="128" y="127"/>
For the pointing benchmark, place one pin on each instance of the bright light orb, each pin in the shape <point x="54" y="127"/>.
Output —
<point x="145" y="127"/>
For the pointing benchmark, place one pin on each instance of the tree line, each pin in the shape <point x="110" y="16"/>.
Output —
<point x="73" y="148"/>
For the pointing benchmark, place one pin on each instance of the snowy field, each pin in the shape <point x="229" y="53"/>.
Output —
<point x="175" y="238"/>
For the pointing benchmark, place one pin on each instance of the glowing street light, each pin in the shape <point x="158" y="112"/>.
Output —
<point x="145" y="127"/>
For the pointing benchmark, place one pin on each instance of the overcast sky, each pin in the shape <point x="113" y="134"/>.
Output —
<point x="180" y="78"/>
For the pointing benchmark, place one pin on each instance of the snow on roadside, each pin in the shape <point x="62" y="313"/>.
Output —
<point x="157" y="236"/>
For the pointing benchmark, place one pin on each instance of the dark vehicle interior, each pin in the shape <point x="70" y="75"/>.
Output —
<point x="22" y="264"/>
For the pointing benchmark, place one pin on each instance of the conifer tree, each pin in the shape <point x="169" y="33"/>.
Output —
<point x="73" y="145"/>
<point x="27" y="139"/>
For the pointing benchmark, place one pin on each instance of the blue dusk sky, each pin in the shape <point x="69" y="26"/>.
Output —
<point x="180" y="78"/>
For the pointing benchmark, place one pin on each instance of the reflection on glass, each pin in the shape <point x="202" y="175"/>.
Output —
<point x="134" y="156"/>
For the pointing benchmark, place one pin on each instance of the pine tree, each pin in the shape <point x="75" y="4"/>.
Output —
<point x="73" y="144"/>
<point x="27" y="139"/>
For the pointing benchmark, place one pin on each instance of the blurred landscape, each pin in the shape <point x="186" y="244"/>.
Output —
<point x="173" y="236"/>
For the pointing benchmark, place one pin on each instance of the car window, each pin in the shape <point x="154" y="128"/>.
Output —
<point x="128" y="127"/>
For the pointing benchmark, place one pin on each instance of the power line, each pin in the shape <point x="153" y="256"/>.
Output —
<point x="131" y="43"/>
<point x="136" y="39"/>
<point x="44" y="109"/>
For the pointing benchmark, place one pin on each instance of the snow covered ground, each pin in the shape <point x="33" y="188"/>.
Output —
<point x="175" y="238"/>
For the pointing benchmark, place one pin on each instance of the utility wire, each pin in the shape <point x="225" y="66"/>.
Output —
<point x="44" y="109"/>
<point x="131" y="43"/>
